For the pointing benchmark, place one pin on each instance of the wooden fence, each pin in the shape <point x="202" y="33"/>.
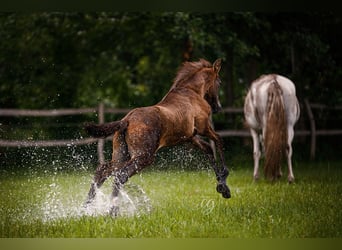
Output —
<point x="101" y="111"/>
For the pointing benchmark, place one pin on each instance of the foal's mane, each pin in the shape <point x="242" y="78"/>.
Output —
<point x="187" y="70"/>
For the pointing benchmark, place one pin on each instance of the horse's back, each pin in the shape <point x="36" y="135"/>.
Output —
<point x="157" y="126"/>
<point x="260" y="86"/>
<point x="290" y="99"/>
<point x="257" y="97"/>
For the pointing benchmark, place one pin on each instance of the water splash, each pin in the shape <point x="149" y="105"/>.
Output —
<point x="131" y="201"/>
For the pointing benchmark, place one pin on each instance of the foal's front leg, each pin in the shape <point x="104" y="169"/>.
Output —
<point x="224" y="172"/>
<point x="221" y="174"/>
<point x="207" y="149"/>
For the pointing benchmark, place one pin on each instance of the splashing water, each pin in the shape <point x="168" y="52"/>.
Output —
<point x="131" y="201"/>
<point x="52" y="188"/>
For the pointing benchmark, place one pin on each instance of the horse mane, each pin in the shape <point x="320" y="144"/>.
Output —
<point x="187" y="70"/>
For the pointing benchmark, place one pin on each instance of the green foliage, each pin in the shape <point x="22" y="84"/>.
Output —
<point x="54" y="59"/>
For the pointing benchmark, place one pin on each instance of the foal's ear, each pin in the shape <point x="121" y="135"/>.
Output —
<point x="217" y="65"/>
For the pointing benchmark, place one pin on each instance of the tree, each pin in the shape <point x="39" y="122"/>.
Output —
<point x="52" y="60"/>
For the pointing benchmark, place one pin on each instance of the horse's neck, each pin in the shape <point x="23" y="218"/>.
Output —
<point x="199" y="90"/>
<point x="183" y="90"/>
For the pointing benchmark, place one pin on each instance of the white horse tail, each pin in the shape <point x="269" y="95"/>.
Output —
<point x="275" y="137"/>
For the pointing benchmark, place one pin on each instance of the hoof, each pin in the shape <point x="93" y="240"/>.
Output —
<point x="290" y="179"/>
<point x="121" y="177"/>
<point x="223" y="189"/>
<point x="114" y="211"/>
<point x="256" y="178"/>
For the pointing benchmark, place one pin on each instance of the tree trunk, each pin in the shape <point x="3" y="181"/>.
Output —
<point x="229" y="90"/>
<point x="187" y="50"/>
<point x="252" y="71"/>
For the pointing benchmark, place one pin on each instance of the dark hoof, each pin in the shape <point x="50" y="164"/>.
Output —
<point x="121" y="177"/>
<point x="223" y="189"/>
<point x="114" y="211"/>
<point x="290" y="179"/>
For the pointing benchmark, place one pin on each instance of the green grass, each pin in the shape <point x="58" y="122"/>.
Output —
<point x="184" y="204"/>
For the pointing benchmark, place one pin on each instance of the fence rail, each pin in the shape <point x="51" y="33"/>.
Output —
<point x="101" y="111"/>
<point x="52" y="112"/>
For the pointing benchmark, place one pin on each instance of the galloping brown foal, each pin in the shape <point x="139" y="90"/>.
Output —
<point x="181" y="116"/>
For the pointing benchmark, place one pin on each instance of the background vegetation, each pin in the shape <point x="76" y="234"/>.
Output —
<point x="54" y="60"/>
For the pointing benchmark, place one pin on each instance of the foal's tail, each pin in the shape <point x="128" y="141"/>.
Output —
<point x="275" y="140"/>
<point x="106" y="129"/>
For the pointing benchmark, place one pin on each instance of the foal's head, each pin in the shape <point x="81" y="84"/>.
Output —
<point x="202" y="77"/>
<point x="212" y="87"/>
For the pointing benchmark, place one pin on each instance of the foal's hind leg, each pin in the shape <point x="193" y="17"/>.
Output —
<point x="140" y="146"/>
<point x="119" y="156"/>
<point x="114" y="210"/>
<point x="99" y="179"/>
<point x="124" y="172"/>
<point x="103" y="171"/>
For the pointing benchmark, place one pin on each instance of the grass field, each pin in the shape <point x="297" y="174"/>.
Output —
<point x="169" y="203"/>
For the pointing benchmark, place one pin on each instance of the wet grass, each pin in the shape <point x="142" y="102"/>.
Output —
<point x="184" y="203"/>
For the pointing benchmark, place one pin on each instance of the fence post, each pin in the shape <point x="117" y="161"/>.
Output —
<point x="100" y="143"/>
<point x="312" y="128"/>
